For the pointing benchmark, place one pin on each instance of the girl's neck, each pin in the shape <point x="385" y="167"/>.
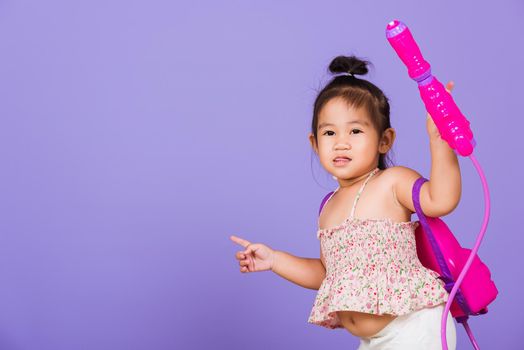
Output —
<point x="350" y="183"/>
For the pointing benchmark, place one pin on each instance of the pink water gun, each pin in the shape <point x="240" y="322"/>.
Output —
<point x="454" y="128"/>
<point x="451" y="123"/>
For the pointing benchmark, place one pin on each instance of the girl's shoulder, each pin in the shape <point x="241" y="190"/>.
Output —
<point x="399" y="173"/>
<point x="400" y="178"/>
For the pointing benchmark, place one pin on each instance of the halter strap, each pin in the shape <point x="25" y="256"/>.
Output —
<point x="328" y="197"/>
<point x="360" y="191"/>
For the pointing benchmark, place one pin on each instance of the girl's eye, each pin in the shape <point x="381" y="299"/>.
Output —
<point x="356" y="131"/>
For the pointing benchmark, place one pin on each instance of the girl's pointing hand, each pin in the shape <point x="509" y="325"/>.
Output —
<point x="255" y="257"/>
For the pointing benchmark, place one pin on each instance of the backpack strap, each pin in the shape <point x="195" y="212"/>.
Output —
<point x="423" y="220"/>
<point x="446" y="273"/>
<point x="324" y="202"/>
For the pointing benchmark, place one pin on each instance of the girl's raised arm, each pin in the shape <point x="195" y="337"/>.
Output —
<point x="441" y="194"/>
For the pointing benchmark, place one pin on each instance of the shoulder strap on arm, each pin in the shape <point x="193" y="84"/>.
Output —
<point x="447" y="277"/>
<point x="416" y="194"/>
<point x="324" y="202"/>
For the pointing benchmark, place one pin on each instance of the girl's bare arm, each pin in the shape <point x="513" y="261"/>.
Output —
<point x="305" y="272"/>
<point x="441" y="194"/>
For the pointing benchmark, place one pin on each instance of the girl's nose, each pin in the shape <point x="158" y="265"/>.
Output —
<point x="342" y="144"/>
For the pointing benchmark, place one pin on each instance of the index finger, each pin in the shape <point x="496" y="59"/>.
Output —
<point x="244" y="243"/>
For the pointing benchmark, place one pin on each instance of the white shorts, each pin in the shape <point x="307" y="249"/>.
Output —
<point x="417" y="330"/>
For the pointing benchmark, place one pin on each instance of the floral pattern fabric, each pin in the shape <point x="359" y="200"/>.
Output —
<point x="372" y="267"/>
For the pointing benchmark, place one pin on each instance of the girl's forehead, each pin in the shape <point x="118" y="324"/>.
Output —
<point x="338" y="111"/>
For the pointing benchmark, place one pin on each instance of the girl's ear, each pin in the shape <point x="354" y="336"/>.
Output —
<point x="313" y="142"/>
<point x="386" y="141"/>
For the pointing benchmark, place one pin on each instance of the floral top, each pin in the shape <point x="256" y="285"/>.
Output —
<point x="372" y="267"/>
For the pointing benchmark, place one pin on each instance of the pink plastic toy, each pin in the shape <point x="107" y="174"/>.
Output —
<point x="437" y="248"/>
<point x="452" y="125"/>
<point x="477" y="289"/>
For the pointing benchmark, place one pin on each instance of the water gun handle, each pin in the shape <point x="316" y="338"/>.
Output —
<point x="451" y="123"/>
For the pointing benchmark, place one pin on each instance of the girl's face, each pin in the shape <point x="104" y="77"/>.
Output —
<point x="346" y="132"/>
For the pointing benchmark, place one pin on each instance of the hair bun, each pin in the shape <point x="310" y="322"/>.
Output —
<point x="348" y="64"/>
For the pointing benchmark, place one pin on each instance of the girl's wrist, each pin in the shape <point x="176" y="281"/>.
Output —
<point x="273" y="260"/>
<point x="441" y="151"/>
<point x="437" y="141"/>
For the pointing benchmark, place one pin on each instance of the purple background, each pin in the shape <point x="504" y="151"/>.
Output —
<point x="137" y="136"/>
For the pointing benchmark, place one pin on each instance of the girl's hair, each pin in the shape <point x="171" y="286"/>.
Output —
<point x="357" y="93"/>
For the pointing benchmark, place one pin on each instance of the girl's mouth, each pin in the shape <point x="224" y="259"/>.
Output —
<point x="341" y="161"/>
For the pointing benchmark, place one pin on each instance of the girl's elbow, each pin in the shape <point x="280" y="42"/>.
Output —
<point x="454" y="202"/>
<point x="444" y="207"/>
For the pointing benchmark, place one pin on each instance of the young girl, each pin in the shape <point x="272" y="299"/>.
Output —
<point x="369" y="278"/>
